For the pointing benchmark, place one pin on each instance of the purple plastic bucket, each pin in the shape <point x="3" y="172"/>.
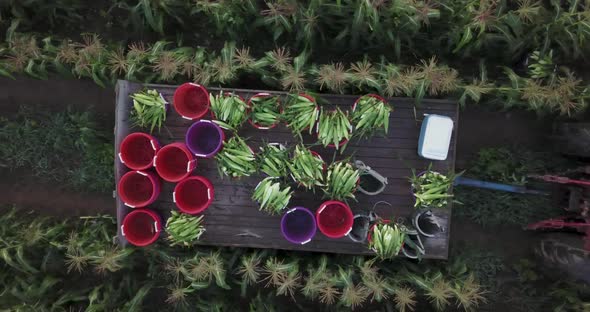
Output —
<point x="298" y="225"/>
<point x="204" y="138"/>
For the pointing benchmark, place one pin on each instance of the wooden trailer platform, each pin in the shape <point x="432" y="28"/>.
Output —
<point x="234" y="220"/>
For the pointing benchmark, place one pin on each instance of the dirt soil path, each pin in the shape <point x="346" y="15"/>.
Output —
<point x="27" y="192"/>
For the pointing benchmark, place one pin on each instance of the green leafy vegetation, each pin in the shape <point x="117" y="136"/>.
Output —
<point x="459" y="28"/>
<point x="306" y="168"/>
<point x="236" y="159"/>
<point x="184" y="229"/>
<point x="229" y="109"/>
<point x="149" y="109"/>
<point x="265" y="110"/>
<point x="431" y="189"/>
<point x="67" y="263"/>
<point x="301" y="113"/>
<point x="273" y="160"/>
<point x="272" y="196"/>
<point x="561" y="92"/>
<point x="333" y="127"/>
<point x="341" y="181"/>
<point x="386" y="240"/>
<point x="62" y="147"/>
<point x="370" y="115"/>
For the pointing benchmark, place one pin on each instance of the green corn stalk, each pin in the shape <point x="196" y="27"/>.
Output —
<point x="149" y="109"/>
<point x="387" y="240"/>
<point x="184" y="229"/>
<point x="369" y="115"/>
<point x="265" y="110"/>
<point x="236" y="159"/>
<point x="300" y="113"/>
<point x="306" y="168"/>
<point x="431" y="189"/>
<point x="341" y="181"/>
<point x="229" y="109"/>
<point x="273" y="160"/>
<point x="334" y="127"/>
<point x="271" y="197"/>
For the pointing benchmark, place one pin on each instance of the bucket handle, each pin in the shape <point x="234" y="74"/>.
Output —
<point x="322" y="209"/>
<point x="348" y="232"/>
<point x="174" y="197"/>
<point x="189" y="164"/>
<point x="130" y="206"/>
<point x="142" y="173"/>
<point x="163" y="99"/>
<point x="305" y="242"/>
<point x="155" y="157"/>
<point x="208" y="194"/>
<point x="195" y="84"/>
<point x="279" y="145"/>
<point x="187" y="118"/>
<point x="122" y="230"/>
<point x="153" y="144"/>
<point x="156" y="227"/>
<point x="121" y="158"/>
<point x="200" y="155"/>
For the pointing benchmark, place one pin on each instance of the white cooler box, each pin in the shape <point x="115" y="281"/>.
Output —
<point x="435" y="137"/>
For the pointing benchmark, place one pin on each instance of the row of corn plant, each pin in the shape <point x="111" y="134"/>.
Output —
<point x="78" y="257"/>
<point x="456" y="28"/>
<point x="560" y="92"/>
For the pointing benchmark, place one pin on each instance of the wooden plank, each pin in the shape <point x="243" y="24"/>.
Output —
<point x="234" y="220"/>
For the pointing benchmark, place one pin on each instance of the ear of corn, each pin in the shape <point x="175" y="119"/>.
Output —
<point x="271" y="197"/>
<point x="370" y="114"/>
<point x="334" y="127"/>
<point x="341" y="181"/>
<point x="387" y="240"/>
<point x="265" y="110"/>
<point x="431" y="189"/>
<point x="149" y="109"/>
<point x="229" y="109"/>
<point x="274" y="160"/>
<point x="184" y="229"/>
<point x="300" y="113"/>
<point x="236" y="159"/>
<point x="306" y="168"/>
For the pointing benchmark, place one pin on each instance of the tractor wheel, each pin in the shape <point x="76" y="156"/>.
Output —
<point x="563" y="254"/>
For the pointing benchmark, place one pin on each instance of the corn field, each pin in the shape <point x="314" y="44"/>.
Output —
<point x="515" y="54"/>
<point x="73" y="264"/>
<point x="522" y="54"/>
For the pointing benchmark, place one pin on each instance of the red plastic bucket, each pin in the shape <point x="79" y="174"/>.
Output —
<point x="141" y="227"/>
<point x="191" y="101"/>
<point x="193" y="195"/>
<point x="137" y="151"/>
<point x="174" y="162"/>
<point x="334" y="219"/>
<point x="138" y="188"/>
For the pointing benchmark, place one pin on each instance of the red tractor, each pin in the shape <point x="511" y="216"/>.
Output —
<point x="565" y="243"/>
